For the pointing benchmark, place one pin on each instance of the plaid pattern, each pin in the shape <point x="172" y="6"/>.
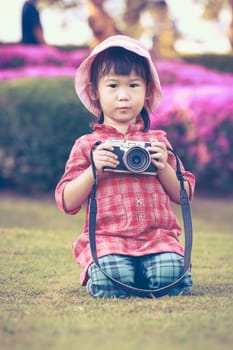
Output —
<point x="134" y="212"/>
<point x="150" y="272"/>
<point x="160" y="270"/>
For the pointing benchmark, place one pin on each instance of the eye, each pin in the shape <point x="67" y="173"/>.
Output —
<point x="113" y="86"/>
<point x="133" y="85"/>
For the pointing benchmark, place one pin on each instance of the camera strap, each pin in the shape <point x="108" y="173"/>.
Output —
<point x="187" y="221"/>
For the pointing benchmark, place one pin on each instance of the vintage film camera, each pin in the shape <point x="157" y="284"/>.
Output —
<point x="133" y="157"/>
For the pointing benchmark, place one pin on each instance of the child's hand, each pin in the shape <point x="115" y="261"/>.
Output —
<point x="159" y="154"/>
<point x="104" y="157"/>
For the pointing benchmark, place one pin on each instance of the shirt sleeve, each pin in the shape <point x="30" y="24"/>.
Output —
<point x="77" y="162"/>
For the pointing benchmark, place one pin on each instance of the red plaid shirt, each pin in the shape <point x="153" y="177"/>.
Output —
<point x="134" y="214"/>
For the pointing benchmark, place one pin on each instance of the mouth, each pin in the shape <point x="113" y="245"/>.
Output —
<point x="123" y="108"/>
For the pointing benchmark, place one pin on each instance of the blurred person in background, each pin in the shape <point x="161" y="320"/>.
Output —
<point x="32" y="30"/>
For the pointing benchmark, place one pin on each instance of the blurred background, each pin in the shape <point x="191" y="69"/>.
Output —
<point x="191" y="43"/>
<point x="203" y="25"/>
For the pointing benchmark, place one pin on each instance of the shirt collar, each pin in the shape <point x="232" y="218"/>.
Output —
<point x="132" y="128"/>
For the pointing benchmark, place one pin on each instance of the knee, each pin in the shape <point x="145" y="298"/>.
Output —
<point x="163" y="269"/>
<point x="183" y="287"/>
<point x="101" y="286"/>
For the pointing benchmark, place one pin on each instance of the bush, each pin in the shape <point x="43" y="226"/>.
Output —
<point x="200" y="130"/>
<point x="16" y="56"/>
<point x="197" y="113"/>
<point x="222" y="63"/>
<point x="40" y="120"/>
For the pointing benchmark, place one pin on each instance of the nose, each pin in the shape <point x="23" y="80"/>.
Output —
<point x="123" y="94"/>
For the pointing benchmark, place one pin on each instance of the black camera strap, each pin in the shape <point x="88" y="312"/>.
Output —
<point x="187" y="220"/>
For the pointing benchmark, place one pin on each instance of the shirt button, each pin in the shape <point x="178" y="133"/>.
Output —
<point x="139" y="201"/>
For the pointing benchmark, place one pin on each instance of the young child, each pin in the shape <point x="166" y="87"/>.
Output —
<point x="137" y="233"/>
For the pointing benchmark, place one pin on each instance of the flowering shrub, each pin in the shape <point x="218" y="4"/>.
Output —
<point x="18" y="61"/>
<point x="200" y="130"/>
<point x="179" y="72"/>
<point x="12" y="56"/>
<point x="196" y="110"/>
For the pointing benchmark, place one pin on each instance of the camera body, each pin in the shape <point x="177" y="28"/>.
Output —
<point x="133" y="157"/>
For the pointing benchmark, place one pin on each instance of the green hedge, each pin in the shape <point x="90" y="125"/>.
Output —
<point x="40" y="120"/>
<point x="222" y="63"/>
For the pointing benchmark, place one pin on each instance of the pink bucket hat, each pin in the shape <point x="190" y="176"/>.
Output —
<point x="82" y="75"/>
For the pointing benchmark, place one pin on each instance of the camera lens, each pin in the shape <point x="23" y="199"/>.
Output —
<point x="136" y="159"/>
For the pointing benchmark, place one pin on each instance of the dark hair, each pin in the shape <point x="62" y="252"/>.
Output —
<point x="122" y="62"/>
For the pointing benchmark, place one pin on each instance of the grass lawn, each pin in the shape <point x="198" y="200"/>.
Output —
<point x="44" y="307"/>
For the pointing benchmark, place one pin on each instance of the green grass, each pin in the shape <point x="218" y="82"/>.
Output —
<point x="43" y="306"/>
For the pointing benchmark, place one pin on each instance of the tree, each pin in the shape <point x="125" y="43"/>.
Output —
<point x="134" y="8"/>
<point x="100" y="21"/>
<point x="131" y="17"/>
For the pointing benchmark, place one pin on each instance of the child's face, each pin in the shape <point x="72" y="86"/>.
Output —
<point x="121" y="98"/>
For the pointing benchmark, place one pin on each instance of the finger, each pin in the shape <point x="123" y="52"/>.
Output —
<point x="107" y="155"/>
<point x="158" y="157"/>
<point x="159" y="145"/>
<point x="106" y="159"/>
<point x="104" y="147"/>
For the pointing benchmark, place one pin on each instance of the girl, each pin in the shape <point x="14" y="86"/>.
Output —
<point x="137" y="233"/>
